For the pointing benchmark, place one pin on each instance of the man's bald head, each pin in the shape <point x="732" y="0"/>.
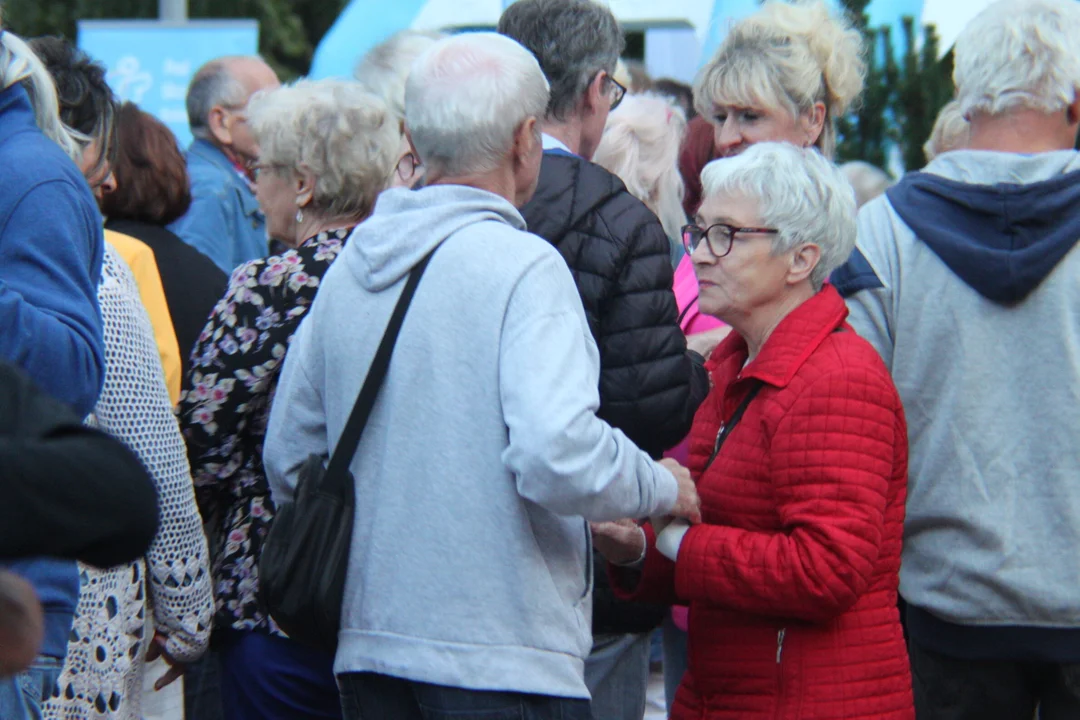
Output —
<point x="225" y="83"/>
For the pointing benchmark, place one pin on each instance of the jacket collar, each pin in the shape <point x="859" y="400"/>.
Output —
<point x="212" y="154"/>
<point x="792" y="342"/>
<point x="16" y="112"/>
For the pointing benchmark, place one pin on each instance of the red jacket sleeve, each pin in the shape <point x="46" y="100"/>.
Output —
<point x="831" y="460"/>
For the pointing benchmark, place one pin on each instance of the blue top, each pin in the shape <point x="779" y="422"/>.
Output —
<point x="224" y="221"/>
<point x="51" y="246"/>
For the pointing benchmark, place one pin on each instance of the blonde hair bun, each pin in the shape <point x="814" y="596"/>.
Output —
<point x="831" y="39"/>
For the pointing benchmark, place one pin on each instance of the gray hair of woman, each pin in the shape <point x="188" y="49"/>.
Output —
<point x="796" y="56"/>
<point x="19" y="64"/>
<point x="342" y="138"/>
<point x="951" y="132"/>
<point x="804" y="196"/>
<point x="385" y="68"/>
<point x="641" y="146"/>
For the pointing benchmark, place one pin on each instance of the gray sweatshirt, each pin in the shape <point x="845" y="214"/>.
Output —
<point x="966" y="281"/>
<point x="483" y="457"/>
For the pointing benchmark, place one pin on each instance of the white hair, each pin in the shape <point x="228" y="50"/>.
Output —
<point x="1019" y="53"/>
<point x="19" y="64"/>
<point x="951" y="132"/>
<point x="867" y="180"/>
<point x="788" y="56"/>
<point x="465" y="98"/>
<point x="385" y="68"/>
<point x="346" y="137"/>
<point x="641" y="146"/>
<point x="799" y="193"/>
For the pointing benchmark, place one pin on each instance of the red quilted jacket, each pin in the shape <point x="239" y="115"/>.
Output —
<point x="792" y="577"/>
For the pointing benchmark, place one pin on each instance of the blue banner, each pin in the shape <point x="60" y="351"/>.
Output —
<point x="151" y="63"/>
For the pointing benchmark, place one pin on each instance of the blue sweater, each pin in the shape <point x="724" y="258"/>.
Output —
<point x="51" y="246"/>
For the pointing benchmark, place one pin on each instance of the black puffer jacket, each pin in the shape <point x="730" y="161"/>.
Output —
<point x="650" y="384"/>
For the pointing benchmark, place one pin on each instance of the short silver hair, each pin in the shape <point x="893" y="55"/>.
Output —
<point x="1019" y="53"/>
<point x="868" y="181"/>
<point x="19" y="64"/>
<point x="385" y="68"/>
<point x="466" y="97"/>
<point x="787" y="56"/>
<point x="641" y="146"/>
<point x="346" y="137"/>
<point x="213" y="85"/>
<point x="799" y="193"/>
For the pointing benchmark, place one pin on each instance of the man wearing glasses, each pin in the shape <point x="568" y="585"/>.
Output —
<point x="650" y="384"/>
<point x="224" y="221"/>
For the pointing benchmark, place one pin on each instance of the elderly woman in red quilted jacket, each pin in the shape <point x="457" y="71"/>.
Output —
<point x="800" y="458"/>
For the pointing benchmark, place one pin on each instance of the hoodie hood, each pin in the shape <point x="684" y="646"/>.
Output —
<point x="408" y="224"/>
<point x="1000" y="221"/>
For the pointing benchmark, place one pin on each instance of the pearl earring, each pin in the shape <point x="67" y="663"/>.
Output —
<point x="300" y="215"/>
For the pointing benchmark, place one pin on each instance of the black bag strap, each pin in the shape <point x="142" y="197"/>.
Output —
<point x="726" y="428"/>
<point x="337" y="472"/>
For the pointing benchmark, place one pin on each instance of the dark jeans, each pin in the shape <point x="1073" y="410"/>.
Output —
<point x="367" y="696"/>
<point x="270" y="678"/>
<point x="948" y="688"/>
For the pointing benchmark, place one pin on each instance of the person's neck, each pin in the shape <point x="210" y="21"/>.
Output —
<point x="313" y="225"/>
<point x="1021" y="131"/>
<point x="756" y="327"/>
<point x="568" y="133"/>
<point x="498" y="182"/>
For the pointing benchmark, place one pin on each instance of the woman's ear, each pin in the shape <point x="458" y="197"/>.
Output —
<point x="803" y="261"/>
<point x="304" y="184"/>
<point x="814" y="122"/>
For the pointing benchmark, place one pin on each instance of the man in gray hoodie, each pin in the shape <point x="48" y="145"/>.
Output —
<point x="469" y="588"/>
<point x="965" y="279"/>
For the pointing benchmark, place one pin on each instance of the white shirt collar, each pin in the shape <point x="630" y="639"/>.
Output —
<point x="553" y="143"/>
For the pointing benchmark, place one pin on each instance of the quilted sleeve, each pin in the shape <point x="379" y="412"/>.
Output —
<point x="831" y="461"/>
<point x="135" y="408"/>
<point x="650" y="385"/>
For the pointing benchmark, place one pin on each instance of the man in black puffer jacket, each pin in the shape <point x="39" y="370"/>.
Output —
<point x="650" y="384"/>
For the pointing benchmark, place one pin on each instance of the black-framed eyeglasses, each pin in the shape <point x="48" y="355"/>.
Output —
<point x="618" y="92"/>
<point x="719" y="237"/>
<point x="257" y="168"/>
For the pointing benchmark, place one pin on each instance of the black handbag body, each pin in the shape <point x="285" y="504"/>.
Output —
<point x="305" y="559"/>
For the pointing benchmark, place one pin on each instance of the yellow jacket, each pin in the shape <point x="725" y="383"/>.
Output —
<point x="140" y="258"/>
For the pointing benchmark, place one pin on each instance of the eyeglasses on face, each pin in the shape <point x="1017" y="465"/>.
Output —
<point x="258" y="168"/>
<point x="719" y="237"/>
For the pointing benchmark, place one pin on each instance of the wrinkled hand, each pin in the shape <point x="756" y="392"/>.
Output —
<point x="704" y="343"/>
<point x="176" y="668"/>
<point x="620" y="542"/>
<point x="688" y="504"/>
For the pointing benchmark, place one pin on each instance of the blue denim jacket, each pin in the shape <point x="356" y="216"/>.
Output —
<point x="224" y="221"/>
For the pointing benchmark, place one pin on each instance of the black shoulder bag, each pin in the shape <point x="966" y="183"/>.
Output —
<point x="305" y="559"/>
<point x="726" y="428"/>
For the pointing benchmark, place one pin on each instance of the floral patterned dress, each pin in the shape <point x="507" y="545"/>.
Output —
<point x="225" y="406"/>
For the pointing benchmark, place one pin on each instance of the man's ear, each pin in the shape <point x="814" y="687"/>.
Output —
<point x="1072" y="111"/>
<point x="525" y="139"/>
<point x="803" y="261"/>
<point x="596" y="96"/>
<point x="220" y="125"/>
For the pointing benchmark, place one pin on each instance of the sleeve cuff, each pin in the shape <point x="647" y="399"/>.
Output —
<point x="668" y="541"/>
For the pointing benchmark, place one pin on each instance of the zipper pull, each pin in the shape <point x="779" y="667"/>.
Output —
<point x="780" y="644"/>
<point x="719" y="434"/>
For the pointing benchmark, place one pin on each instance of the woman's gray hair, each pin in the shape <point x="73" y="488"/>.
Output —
<point x="799" y="193"/>
<point x="385" y="68"/>
<point x="346" y="137"/>
<point x="788" y="56"/>
<point x="465" y="99"/>
<point x="18" y="63"/>
<point x="640" y="145"/>
<point x="868" y="181"/>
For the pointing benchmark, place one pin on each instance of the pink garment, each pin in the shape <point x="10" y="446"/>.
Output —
<point x="691" y="321"/>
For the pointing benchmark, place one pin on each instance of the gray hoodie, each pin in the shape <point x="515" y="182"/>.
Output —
<point x="470" y="560"/>
<point x="965" y="278"/>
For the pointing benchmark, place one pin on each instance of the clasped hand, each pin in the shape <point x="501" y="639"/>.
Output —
<point x="622" y="542"/>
